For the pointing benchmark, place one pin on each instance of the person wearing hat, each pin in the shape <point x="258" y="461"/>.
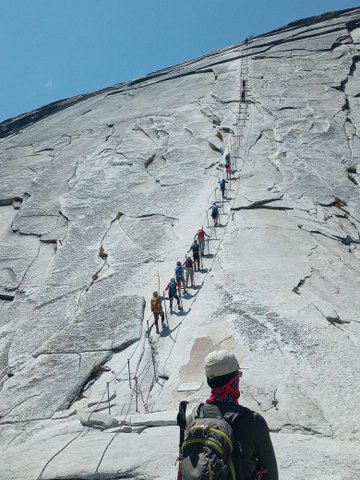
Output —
<point x="256" y="458"/>
<point x="200" y="235"/>
<point x="172" y="289"/>
<point x="179" y="276"/>
<point x="156" y="308"/>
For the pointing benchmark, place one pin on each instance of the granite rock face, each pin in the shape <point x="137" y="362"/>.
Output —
<point x="102" y="194"/>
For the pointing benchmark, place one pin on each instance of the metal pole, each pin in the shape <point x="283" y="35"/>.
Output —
<point x="180" y="298"/>
<point x="128" y="362"/>
<point x="136" y="394"/>
<point x="166" y="316"/>
<point x="108" y="393"/>
<point x="153" y="358"/>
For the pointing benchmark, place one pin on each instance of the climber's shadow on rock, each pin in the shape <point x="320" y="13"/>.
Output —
<point x="167" y="331"/>
<point x="189" y="296"/>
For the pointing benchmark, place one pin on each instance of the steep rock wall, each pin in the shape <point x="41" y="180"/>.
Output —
<point x="100" y="199"/>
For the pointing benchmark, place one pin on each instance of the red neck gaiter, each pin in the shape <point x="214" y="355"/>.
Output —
<point x="228" y="393"/>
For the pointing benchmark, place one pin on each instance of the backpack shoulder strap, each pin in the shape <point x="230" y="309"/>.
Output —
<point x="198" y="412"/>
<point x="232" y="418"/>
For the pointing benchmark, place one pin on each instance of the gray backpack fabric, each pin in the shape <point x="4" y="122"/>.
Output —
<point x="208" y="449"/>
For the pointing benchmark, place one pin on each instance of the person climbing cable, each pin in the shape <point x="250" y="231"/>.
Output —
<point x="156" y="308"/>
<point x="251" y="455"/>
<point x="172" y="288"/>
<point x="214" y="213"/>
<point x="243" y="95"/>
<point x="222" y="183"/>
<point x="189" y="271"/>
<point x="228" y="166"/>
<point x="195" y="249"/>
<point x="179" y="276"/>
<point x="200" y="236"/>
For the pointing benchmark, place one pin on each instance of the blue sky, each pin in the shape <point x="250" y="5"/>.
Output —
<point x="55" y="49"/>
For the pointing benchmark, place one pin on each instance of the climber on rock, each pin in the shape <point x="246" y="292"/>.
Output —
<point x="222" y="183"/>
<point x="214" y="213"/>
<point x="172" y="288"/>
<point x="156" y="308"/>
<point x="243" y="91"/>
<point x="189" y="271"/>
<point x="228" y="166"/>
<point x="200" y="236"/>
<point x="210" y="420"/>
<point x="195" y="249"/>
<point x="179" y="276"/>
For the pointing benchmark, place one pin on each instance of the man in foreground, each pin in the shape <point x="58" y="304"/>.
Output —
<point x="204" y="452"/>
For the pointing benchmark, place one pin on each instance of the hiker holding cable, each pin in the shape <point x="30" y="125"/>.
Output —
<point x="172" y="288"/>
<point x="228" y="166"/>
<point x="200" y="236"/>
<point x="215" y="213"/>
<point x="222" y="186"/>
<point x="195" y="249"/>
<point x="157" y="310"/>
<point x="189" y="271"/>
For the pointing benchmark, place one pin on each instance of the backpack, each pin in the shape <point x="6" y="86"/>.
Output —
<point x="189" y="263"/>
<point x="155" y="304"/>
<point x="179" y="271"/>
<point x="214" y="211"/>
<point x="172" y="289"/>
<point x="201" y="234"/>
<point x="195" y="247"/>
<point x="208" y="449"/>
<point x="222" y="184"/>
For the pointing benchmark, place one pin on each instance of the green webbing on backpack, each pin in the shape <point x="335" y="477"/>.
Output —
<point x="215" y="446"/>
<point x="218" y="432"/>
